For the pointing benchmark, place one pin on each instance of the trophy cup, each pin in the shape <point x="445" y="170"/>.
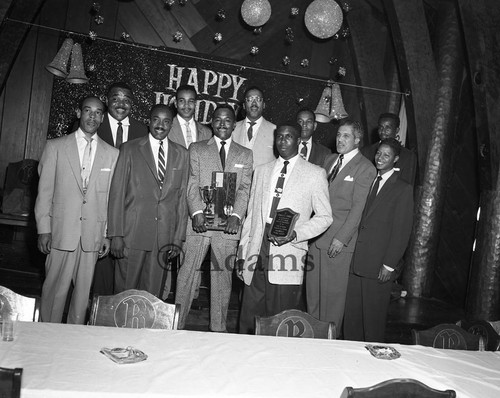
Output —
<point x="207" y="195"/>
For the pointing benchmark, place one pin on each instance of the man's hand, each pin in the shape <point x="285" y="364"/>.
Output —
<point x="233" y="225"/>
<point x="384" y="274"/>
<point x="117" y="246"/>
<point x="173" y="252"/>
<point x="104" y="248"/>
<point x="280" y="241"/>
<point x="199" y="223"/>
<point x="335" y="248"/>
<point x="45" y="243"/>
<point x="239" y="268"/>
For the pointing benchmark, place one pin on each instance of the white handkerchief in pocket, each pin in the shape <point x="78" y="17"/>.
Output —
<point x="349" y="178"/>
<point x="239" y="166"/>
<point x="106" y="169"/>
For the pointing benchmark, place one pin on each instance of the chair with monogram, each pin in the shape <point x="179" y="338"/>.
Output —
<point x="27" y="308"/>
<point x="136" y="309"/>
<point x="484" y="329"/>
<point x="448" y="336"/>
<point x="294" y="323"/>
<point x="407" y="388"/>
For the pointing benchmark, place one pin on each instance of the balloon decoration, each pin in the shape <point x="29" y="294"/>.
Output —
<point x="323" y="18"/>
<point x="256" y="12"/>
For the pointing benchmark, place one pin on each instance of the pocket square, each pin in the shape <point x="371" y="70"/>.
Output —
<point x="349" y="178"/>
<point x="106" y="169"/>
<point x="239" y="166"/>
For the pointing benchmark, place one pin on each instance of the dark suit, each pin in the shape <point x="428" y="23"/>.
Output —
<point x="326" y="278"/>
<point x="104" y="275"/>
<point x="384" y="232"/>
<point x="407" y="163"/>
<point x="146" y="214"/>
<point x="319" y="153"/>
<point x="204" y="159"/>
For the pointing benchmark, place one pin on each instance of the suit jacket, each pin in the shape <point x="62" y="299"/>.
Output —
<point x="306" y="192"/>
<point x="384" y="230"/>
<point x="140" y="209"/>
<point x="348" y="193"/>
<point x="135" y="130"/>
<point x="263" y="147"/>
<point x="319" y="153"/>
<point x="204" y="159"/>
<point x="61" y="208"/>
<point x="175" y="134"/>
<point x="407" y="163"/>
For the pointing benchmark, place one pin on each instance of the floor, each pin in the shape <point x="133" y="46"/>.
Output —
<point x="21" y="269"/>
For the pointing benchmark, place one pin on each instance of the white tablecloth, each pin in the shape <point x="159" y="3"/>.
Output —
<point x="64" y="361"/>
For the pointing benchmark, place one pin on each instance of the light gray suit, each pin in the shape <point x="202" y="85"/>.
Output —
<point x="202" y="133"/>
<point x="326" y="279"/>
<point x="76" y="221"/>
<point x="204" y="159"/>
<point x="263" y="141"/>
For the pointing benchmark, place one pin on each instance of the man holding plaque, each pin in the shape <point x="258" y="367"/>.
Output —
<point x="350" y="175"/>
<point x="218" y="191"/>
<point x="289" y="204"/>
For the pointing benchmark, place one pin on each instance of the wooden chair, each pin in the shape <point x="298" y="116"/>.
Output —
<point x="448" y="336"/>
<point x="294" y="323"/>
<point x="484" y="329"/>
<point x="134" y="309"/>
<point x="400" y="388"/>
<point x="28" y="308"/>
<point x="10" y="382"/>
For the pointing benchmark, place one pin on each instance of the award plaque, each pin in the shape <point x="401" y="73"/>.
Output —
<point x="283" y="223"/>
<point x="219" y="198"/>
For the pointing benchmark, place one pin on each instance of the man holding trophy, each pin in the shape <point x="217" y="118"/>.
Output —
<point x="217" y="195"/>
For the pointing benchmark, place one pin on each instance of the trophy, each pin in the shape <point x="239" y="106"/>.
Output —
<point x="207" y="195"/>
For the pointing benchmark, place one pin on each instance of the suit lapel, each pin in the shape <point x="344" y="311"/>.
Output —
<point x="74" y="159"/>
<point x="346" y="170"/>
<point x="384" y="193"/>
<point x="99" y="160"/>
<point x="172" y="155"/>
<point x="212" y="146"/>
<point x="232" y="156"/>
<point x="266" y="188"/>
<point x="147" y="153"/>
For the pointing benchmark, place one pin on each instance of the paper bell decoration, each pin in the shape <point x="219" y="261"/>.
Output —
<point x="59" y="65"/>
<point x="77" y="70"/>
<point x="330" y="105"/>
<point x="323" y="18"/>
<point x="256" y="12"/>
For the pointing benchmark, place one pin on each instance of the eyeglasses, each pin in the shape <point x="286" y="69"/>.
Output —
<point x="253" y="98"/>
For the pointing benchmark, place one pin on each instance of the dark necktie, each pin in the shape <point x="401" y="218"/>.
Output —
<point x="222" y="154"/>
<point x="161" y="163"/>
<point x="278" y="191"/>
<point x="303" y="151"/>
<point x="336" y="169"/>
<point x="373" y="193"/>
<point x="119" y="135"/>
<point x="250" y="131"/>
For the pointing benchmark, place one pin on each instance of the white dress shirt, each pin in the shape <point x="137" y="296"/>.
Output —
<point x="155" y="146"/>
<point x="113" y="123"/>
<point x="192" y="127"/>
<point x="255" y="132"/>
<point x="81" y="143"/>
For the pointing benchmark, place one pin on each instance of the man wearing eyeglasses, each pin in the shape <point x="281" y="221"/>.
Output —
<point x="255" y="132"/>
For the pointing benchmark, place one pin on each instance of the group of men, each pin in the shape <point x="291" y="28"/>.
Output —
<point x="114" y="187"/>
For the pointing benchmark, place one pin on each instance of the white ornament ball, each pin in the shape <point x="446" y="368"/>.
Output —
<point x="323" y="18"/>
<point x="256" y="12"/>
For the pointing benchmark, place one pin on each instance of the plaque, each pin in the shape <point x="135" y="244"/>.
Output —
<point x="219" y="199"/>
<point x="283" y="223"/>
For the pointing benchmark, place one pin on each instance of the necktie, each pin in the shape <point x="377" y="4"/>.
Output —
<point x="250" y="131"/>
<point x="222" y="154"/>
<point x="303" y="151"/>
<point x="336" y="169"/>
<point x="119" y="135"/>
<point x="278" y="191"/>
<point x="189" y="136"/>
<point x="161" y="163"/>
<point x="373" y="193"/>
<point x="86" y="163"/>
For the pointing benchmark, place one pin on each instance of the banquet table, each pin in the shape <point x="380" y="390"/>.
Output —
<point x="65" y="361"/>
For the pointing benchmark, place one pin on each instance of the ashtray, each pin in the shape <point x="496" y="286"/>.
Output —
<point x="383" y="352"/>
<point x="124" y="355"/>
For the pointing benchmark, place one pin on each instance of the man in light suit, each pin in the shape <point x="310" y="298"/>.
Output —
<point x="219" y="153"/>
<point x="273" y="267"/>
<point x="350" y="175"/>
<point x="384" y="232"/>
<point x="255" y="132"/>
<point x="71" y="212"/>
<point x="147" y="205"/>
<point x="117" y="127"/>
<point x="388" y="127"/>
<point x="311" y="151"/>
<point x="185" y="130"/>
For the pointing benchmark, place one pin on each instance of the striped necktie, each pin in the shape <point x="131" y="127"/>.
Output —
<point x="336" y="169"/>
<point x="161" y="163"/>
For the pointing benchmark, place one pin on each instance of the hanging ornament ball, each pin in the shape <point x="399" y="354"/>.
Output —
<point x="304" y="63"/>
<point x="286" y="60"/>
<point x="169" y="3"/>
<point x="323" y="18"/>
<point x="99" y="19"/>
<point x="257" y="31"/>
<point x="177" y="36"/>
<point x="254" y="50"/>
<point x="92" y="35"/>
<point x="218" y="37"/>
<point x="221" y="14"/>
<point x="256" y="12"/>
<point x="294" y="11"/>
